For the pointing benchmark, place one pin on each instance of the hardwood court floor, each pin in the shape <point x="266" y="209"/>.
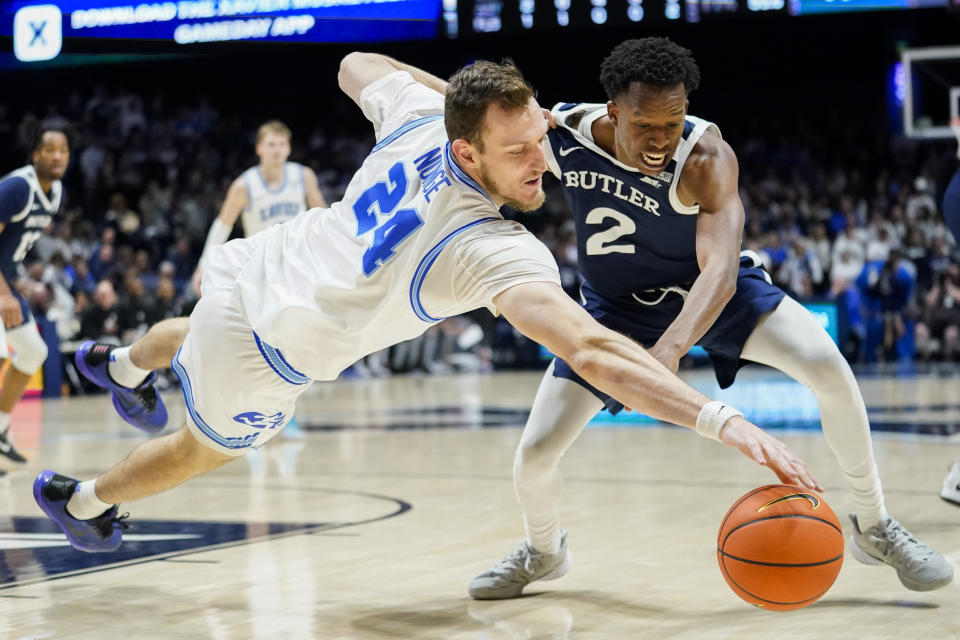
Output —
<point x="371" y="524"/>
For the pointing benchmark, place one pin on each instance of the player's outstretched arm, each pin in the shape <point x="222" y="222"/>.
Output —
<point x="312" y="187"/>
<point x="620" y="367"/>
<point x="359" y="69"/>
<point x="235" y="202"/>
<point x="710" y="180"/>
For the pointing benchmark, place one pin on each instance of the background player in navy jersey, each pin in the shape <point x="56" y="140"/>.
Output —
<point x="951" y="212"/>
<point x="659" y="222"/>
<point x="29" y="198"/>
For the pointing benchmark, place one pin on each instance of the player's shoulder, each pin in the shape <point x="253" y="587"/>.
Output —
<point x="710" y="149"/>
<point x="16" y="186"/>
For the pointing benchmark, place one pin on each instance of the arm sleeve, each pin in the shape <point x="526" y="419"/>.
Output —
<point x="487" y="264"/>
<point x="396" y="99"/>
<point x="14" y="195"/>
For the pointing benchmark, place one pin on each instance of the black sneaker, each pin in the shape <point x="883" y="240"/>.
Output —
<point x="7" y="449"/>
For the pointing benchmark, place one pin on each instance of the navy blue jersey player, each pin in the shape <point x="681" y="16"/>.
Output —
<point x="29" y="199"/>
<point x="659" y="220"/>
<point x="951" y="213"/>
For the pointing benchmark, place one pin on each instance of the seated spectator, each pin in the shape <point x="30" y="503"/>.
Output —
<point x="938" y="331"/>
<point x="103" y="321"/>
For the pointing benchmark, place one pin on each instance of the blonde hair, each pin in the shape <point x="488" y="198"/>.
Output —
<point x="273" y="126"/>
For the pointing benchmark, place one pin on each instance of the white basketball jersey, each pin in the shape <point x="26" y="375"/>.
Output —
<point x="267" y="207"/>
<point x="413" y="241"/>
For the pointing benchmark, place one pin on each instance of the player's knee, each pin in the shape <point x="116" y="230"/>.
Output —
<point x="827" y="369"/>
<point x="30" y="351"/>
<point x="536" y="456"/>
<point x="196" y="455"/>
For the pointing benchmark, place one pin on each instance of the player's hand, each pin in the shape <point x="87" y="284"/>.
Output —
<point x="10" y="310"/>
<point x="666" y="356"/>
<point x="548" y="116"/>
<point x="762" y="448"/>
<point x="196" y="281"/>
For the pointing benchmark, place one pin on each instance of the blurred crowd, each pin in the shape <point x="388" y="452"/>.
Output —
<point x="861" y="228"/>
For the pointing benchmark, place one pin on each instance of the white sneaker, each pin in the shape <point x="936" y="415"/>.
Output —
<point x="523" y="565"/>
<point x="951" y="485"/>
<point x="919" y="567"/>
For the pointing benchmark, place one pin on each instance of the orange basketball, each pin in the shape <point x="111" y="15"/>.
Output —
<point x="780" y="547"/>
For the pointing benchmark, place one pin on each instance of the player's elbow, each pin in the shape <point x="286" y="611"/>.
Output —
<point x="586" y="354"/>
<point x="348" y="66"/>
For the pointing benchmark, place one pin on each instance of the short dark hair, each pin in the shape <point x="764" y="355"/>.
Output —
<point x="657" y="61"/>
<point x="32" y="131"/>
<point x="473" y="88"/>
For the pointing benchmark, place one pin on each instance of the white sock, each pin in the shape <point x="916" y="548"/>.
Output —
<point x="867" y="498"/>
<point x="543" y="536"/>
<point x="122" y="369"/>
<point x="84" y="503"/>
<point x="4" y="421"/>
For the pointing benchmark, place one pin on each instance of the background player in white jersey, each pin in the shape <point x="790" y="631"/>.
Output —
<point x="29" y="199"/>
<point x="417" y="237"/>
<point x="272" y="192"/>
<point x="659" y="222"/>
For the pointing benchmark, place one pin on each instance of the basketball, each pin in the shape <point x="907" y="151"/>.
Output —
<point x="780" y="547"/>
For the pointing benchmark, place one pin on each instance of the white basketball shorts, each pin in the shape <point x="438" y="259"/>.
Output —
<point x="239" y="391"/>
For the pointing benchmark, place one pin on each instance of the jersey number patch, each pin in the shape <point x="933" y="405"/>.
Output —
<point x="26" y="242"/>
<point x="601" y="242"/>
<point x="383" y="198"/>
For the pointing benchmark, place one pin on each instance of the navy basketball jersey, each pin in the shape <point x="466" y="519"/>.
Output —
<point x="25" y="211"/>
<point x="633" y="233"/>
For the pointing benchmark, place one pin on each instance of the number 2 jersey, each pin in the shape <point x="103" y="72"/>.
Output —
<point x="633" y="233"/>
<point x="413" y="241"/>
<point x="25" y="211"/>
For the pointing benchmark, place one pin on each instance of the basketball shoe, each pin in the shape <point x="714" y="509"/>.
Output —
<point x="8" y="450"/>
<point x="919" y="567"/>
<point x="142" y="406"/>
<point x="523" y="565"/>
<point x="103" y="533"/>
<point x="951" y="485"/>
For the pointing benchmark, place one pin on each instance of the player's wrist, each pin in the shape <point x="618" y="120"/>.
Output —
<point x="713" y="417"/>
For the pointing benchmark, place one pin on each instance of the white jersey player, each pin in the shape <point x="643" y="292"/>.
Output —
<point x="417" y="237"/>
<point x="272" y="192"/>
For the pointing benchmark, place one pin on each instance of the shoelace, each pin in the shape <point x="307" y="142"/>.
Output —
<point x="105" y="524"/>
<point x="518" y="558"/>
<point x="897" y="537"/>
<point x="148" y="396"/>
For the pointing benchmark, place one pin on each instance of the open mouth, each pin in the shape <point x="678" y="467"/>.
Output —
<point x="654" y="161"/>
<point x="535" y="182"/>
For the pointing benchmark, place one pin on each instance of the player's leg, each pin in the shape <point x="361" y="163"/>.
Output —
<point x="129" y="373"/>
<point x="790" y="339"/>
<point x="235" y="401"/>
<point x="30" y="351"/>
<point x="561" y="410"/>
<point x="951" y="213"/>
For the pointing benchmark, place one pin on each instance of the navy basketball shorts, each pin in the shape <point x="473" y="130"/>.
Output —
<point x="723" y="342"/>
<point x="240" y="392"/>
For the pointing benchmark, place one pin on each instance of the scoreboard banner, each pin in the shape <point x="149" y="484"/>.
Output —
<point x="39" y="28"/>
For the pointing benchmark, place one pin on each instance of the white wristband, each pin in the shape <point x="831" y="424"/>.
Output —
<point x="218" y="234"/>
<point x="712" y="417"/>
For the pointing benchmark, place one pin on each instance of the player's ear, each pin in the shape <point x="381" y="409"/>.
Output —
<point x="612" y="112"/>
<point x="465" y="152"/>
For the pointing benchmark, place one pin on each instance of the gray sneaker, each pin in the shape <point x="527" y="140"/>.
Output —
<point x="523" y="565"/>
<point x="951" y="485"/>
<point x="919" y="567"/>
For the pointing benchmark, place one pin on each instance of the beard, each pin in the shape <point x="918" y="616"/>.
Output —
<point x="495" y="189"/>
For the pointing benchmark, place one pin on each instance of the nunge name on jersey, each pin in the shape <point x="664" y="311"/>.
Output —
<point x="589" y="180"/>
<point x="430" y="168"/>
